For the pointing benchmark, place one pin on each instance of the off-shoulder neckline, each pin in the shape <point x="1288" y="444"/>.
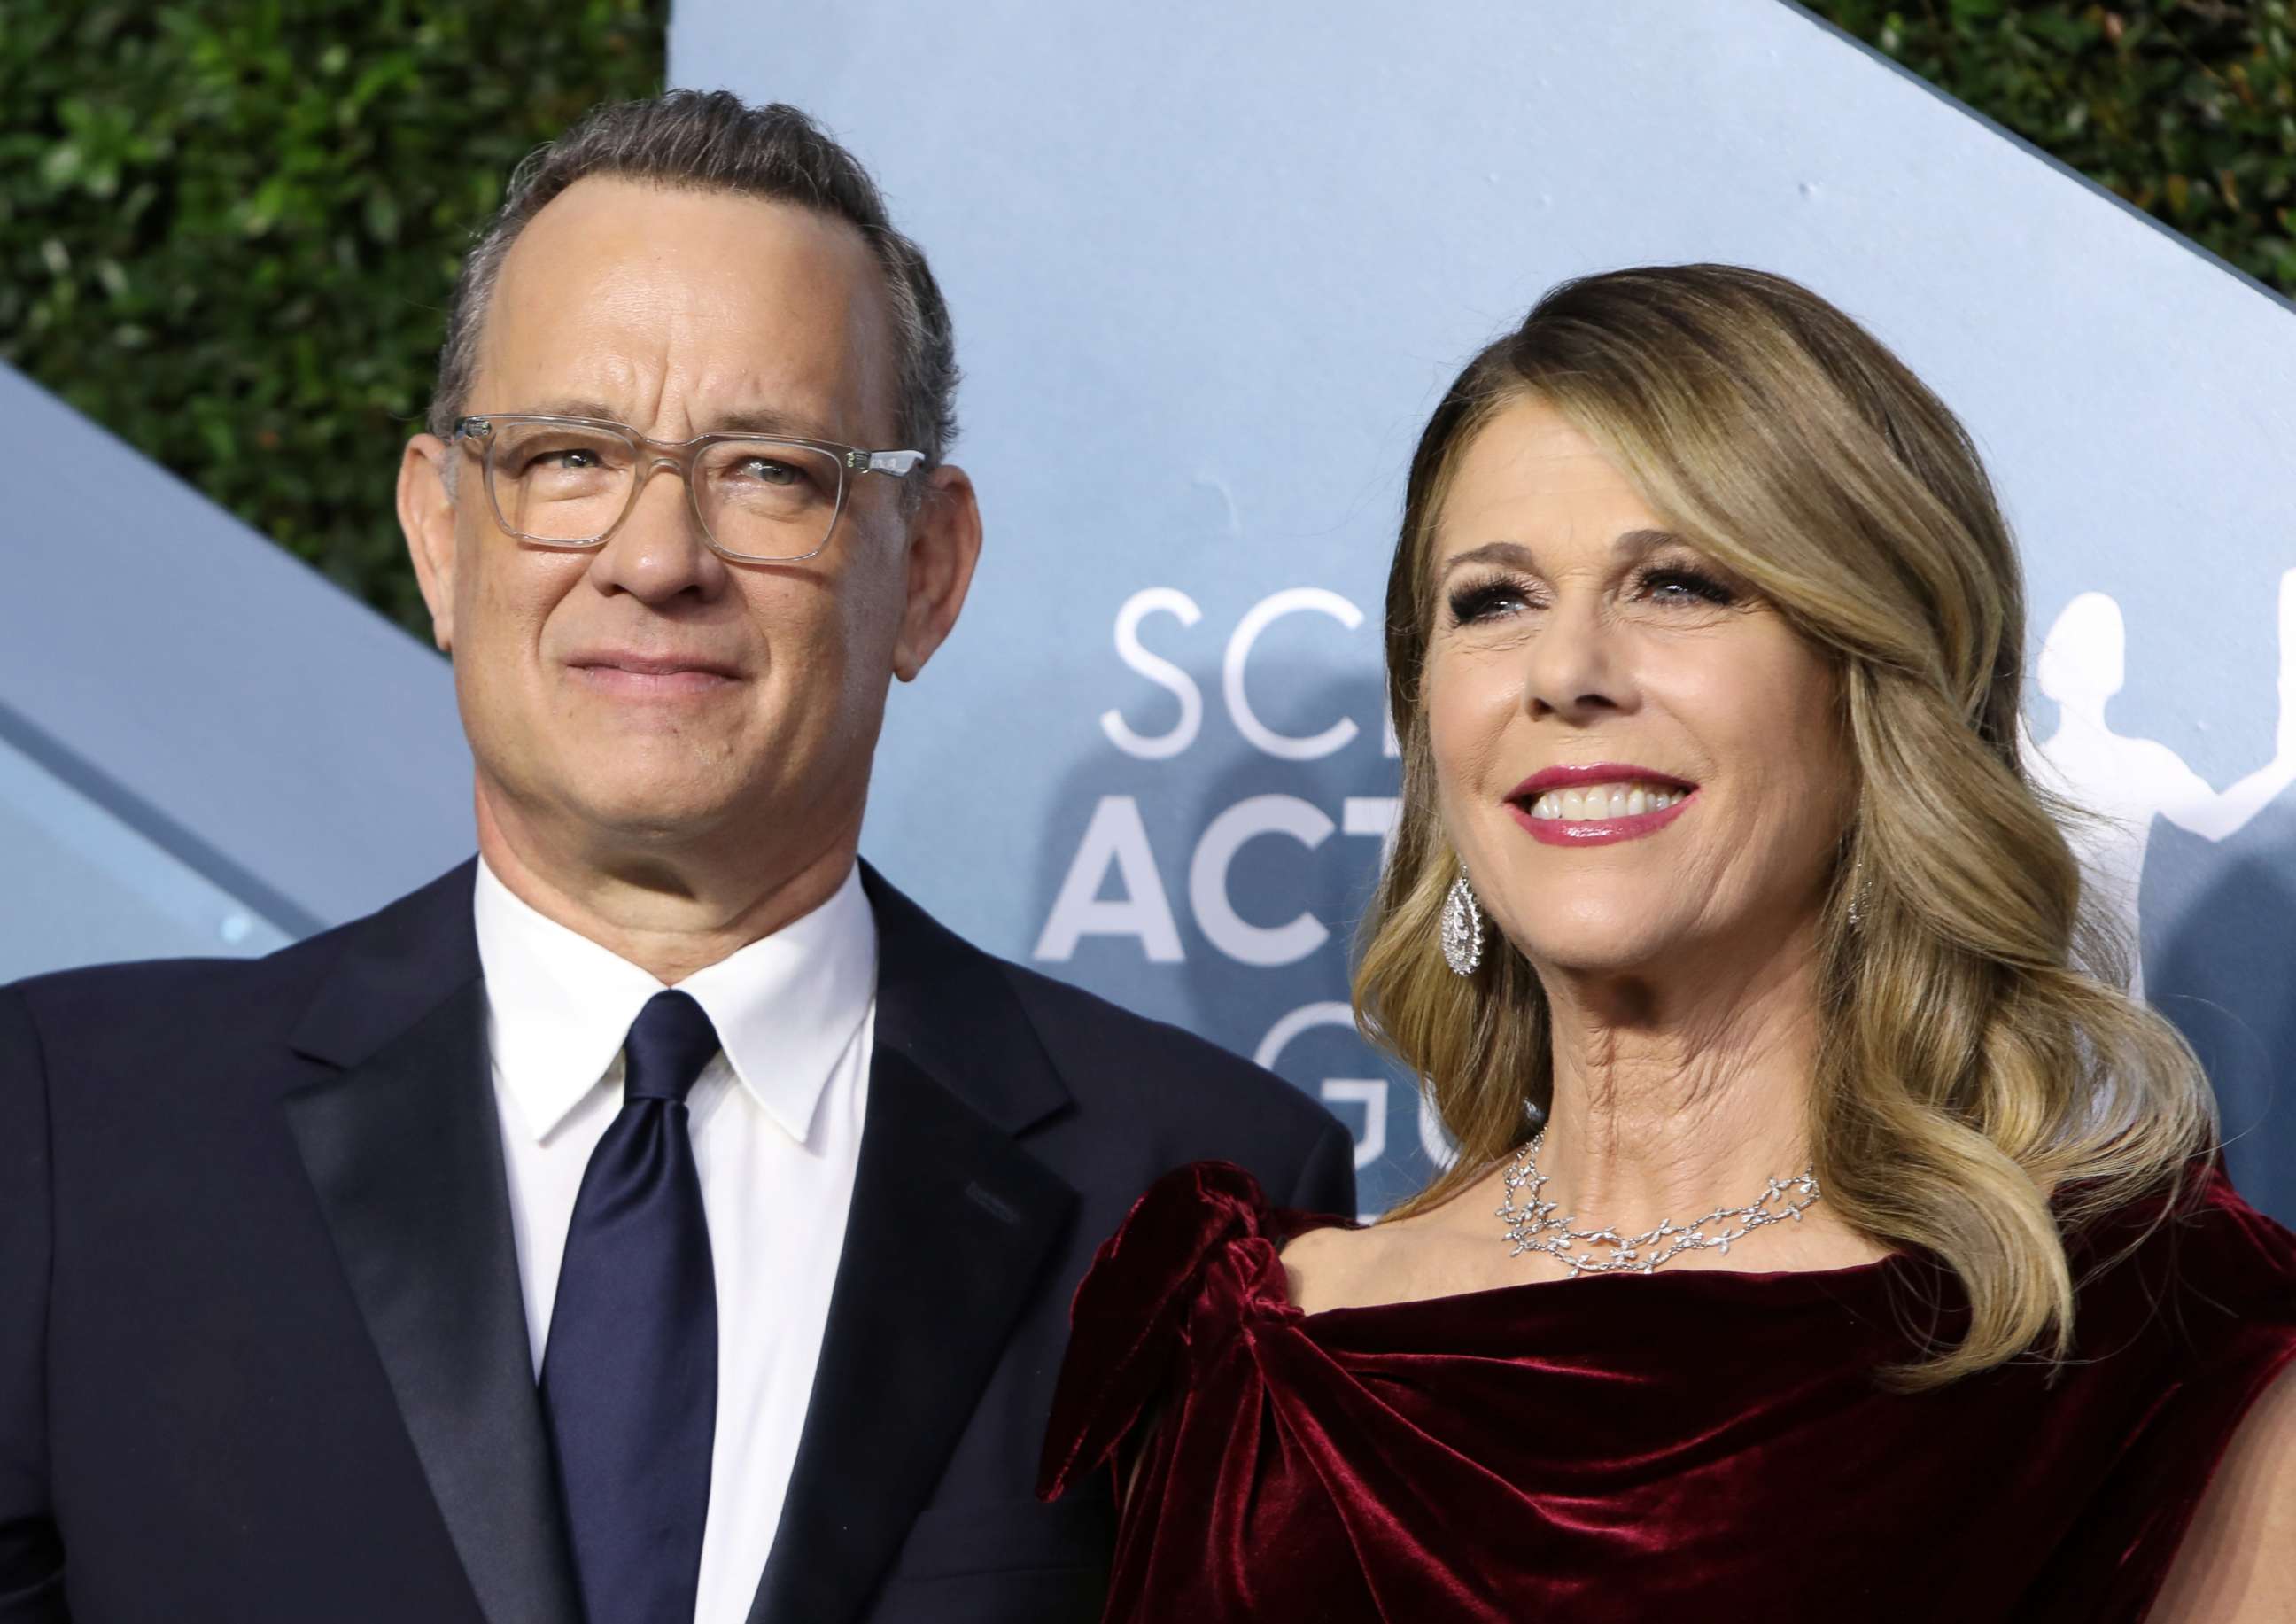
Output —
<point x="1789" y="1282"/>
<point x="1276" y="1228"/>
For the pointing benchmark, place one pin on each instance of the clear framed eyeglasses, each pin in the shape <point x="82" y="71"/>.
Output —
<point x="571" y="481"/>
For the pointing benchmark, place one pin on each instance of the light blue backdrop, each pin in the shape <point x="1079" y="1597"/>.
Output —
<point x="204" y="746"/>
<point x="1211" y="265"/>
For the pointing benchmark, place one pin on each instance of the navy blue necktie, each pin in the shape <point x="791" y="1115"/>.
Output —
<point x="629" y="1376"/>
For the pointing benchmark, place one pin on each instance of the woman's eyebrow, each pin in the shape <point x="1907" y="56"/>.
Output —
<point x="1492" y="553"/>
<point x="1628" y="543"/>
<point x="1640" y="544"/>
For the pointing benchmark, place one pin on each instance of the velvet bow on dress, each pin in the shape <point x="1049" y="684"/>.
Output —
<point x="1682" y="1445"/>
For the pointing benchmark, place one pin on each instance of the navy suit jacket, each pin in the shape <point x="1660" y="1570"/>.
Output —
<point x="263" y="1354"/>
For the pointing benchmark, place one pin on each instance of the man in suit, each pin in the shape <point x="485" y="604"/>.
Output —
<point x="660" y="1217"/>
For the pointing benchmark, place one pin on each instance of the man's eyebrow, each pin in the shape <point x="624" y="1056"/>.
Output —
<point x="769" y="420"/>
<point x="751" y="420"/>
<point x="567" y="405"/>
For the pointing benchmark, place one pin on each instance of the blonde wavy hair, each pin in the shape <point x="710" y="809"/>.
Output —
<point x="1984" y="1087"/>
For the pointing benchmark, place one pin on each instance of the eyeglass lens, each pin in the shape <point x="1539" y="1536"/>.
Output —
<point x="762" y="498"/>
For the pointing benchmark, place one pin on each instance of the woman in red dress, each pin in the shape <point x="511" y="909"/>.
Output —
<point x="1828" y="1237"/>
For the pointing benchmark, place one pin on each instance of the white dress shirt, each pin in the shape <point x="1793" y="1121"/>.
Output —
<point x="776" y="1125"/>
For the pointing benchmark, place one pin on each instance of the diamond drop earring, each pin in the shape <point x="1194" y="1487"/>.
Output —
<point x="1462" y="929"/>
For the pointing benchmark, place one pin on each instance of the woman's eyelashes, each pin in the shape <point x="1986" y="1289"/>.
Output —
<point x="1487" y="600"/>
<point x="1666" y="585"/>
<point x="1682" y="584"/>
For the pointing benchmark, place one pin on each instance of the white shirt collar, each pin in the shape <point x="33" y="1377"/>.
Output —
<point x="559" y="1006"/>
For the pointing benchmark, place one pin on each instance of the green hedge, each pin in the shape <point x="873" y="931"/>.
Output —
<point x="2186" y="108"/>
<point x="227" y="230"/>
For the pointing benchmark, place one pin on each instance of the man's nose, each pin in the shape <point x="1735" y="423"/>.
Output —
<point x="659" y="551"/>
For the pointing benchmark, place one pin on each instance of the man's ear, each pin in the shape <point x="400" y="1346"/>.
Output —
<point x="944" y="547"/>
<point x="426" y="513"/>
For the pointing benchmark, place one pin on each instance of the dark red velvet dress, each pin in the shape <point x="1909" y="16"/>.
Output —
<point x="1685" y="1447"/>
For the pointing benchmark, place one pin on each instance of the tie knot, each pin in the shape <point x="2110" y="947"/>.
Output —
<point x="670" y="1043"/>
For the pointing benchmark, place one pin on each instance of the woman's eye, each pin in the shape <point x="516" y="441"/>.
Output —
<point x="1485" y="601"/>
<point x="1680" y="585"/>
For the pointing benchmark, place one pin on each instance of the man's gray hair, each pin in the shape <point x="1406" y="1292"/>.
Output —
<point x="711" y="141"/>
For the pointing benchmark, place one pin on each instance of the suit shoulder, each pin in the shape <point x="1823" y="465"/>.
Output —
<point x="144" y="998"/>
<point x="156" y="995"/>
<point x="134" y="983"/>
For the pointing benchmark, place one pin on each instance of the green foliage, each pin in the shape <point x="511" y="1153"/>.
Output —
<point x="2186" y="108"/>
<point x="227" y="232"/>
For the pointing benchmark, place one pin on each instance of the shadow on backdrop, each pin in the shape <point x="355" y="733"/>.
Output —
<point x="2222" y="974"/>
<point x="1227" y="899"/>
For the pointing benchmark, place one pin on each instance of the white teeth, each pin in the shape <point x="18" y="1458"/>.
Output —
<point x="1603" y="801"/>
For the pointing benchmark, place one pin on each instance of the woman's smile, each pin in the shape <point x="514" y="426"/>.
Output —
<point x="1597" y="803"/>
<point x="1602" y="813"/>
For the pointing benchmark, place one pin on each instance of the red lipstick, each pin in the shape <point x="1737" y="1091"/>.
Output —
<point x="1595" y="831"/>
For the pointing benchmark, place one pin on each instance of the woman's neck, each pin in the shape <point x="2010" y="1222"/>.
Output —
<point x="1674" y="1097"/>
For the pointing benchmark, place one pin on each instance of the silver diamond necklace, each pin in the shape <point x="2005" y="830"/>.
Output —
<point x="1532" y="1225"/>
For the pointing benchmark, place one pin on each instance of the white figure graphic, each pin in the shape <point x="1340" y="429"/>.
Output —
<point x="2127" y="783"/>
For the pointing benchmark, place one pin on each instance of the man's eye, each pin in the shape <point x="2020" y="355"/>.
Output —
<point x="769" y="470"/>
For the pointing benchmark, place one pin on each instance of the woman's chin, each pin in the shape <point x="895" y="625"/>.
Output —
<point x="1632" y="952"/>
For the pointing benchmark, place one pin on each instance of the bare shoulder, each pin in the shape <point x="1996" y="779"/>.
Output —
<point x="1327" y="1268"/>
<point x="1435" y="1254"/>
<point x="2232" y="1567"/>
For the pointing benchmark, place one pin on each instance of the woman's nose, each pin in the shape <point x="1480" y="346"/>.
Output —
<point x="1573" y="667"/>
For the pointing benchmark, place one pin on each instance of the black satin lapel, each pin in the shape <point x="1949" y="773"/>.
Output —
<point x="951" y="1224"/>
<point x="406" y="1153"/>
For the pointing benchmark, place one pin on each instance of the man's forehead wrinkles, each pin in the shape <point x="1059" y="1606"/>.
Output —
<point x="627" y="386"/>
<point x="675" y="336"/>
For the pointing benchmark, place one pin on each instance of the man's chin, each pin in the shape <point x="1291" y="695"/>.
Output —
<point x="640" y="821"/>
<point x="631" y="805"/>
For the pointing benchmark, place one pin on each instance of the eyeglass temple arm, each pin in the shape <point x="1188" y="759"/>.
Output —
<point x="894" y="462"/>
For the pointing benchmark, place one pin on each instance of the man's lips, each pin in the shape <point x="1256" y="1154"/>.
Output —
<point x="615" y="672"/>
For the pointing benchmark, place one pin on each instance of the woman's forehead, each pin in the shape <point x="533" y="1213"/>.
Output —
<point x="1532" y="477"/>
